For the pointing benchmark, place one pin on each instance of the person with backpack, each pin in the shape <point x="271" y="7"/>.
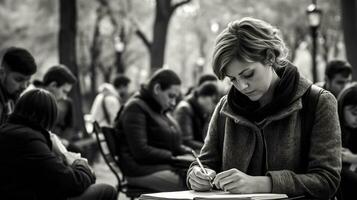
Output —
<point x="105" y="105"/>
<point x="259" y="139"/>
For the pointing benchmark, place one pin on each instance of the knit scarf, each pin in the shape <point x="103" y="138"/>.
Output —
<point x="283" y="94"/>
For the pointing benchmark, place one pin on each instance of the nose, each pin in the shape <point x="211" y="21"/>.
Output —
<point x="173" y="102"/>
<point x="24" y="85"/>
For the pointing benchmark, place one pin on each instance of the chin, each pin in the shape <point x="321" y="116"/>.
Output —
<point x="254" y="97"/>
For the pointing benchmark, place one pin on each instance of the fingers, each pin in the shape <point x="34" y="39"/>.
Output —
<point x="223" y="175"/>
<point x="199" y="185"/>
<point x="228" y="177"/>
<point x="200" y="181"/>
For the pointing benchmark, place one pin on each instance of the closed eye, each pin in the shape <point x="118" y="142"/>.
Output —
<point x="249" y="75"/>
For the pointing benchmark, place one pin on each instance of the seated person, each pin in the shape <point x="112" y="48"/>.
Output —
<point x="193" y="114"/>
<point x="257" y="141"/>
<point x="105" y="105"/>
<point x="347" y="110"/>
<point x="59" y="81"/>
<point x="150" y="138"/>
<point x="31" y="166"/>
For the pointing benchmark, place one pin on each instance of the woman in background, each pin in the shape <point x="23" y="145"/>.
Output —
<point x="31" y="164"/>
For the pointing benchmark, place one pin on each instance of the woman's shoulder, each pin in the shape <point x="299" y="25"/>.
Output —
<point x="20" y="133"/>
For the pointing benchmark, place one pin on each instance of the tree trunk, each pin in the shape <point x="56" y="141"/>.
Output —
<point x="162" y="18"/>
<point x="349" y="24"/>
<point x="67" y="54"/>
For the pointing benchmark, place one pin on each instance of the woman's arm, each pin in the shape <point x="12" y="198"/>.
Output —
<point x="324" y="165"/>
<point x="48" y="170"/>
<point x="211" y="151"/>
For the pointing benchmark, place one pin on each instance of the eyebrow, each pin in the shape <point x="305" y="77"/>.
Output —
<point x="246" y="69"/>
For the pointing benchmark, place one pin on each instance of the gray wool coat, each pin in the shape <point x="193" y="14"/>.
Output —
<point x="234" y="142"/>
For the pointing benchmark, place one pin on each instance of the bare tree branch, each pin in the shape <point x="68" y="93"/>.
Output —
<point x="144" y="39"/>
<point x="140" y="33"/>
<point x="173" y="7"/>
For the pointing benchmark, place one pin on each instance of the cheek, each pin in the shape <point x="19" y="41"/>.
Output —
<point x="262" y="81"/>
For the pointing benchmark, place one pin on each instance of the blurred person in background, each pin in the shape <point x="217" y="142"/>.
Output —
<point x="150" y="139"/>
<point x="109" y="100"/>
<point x="338" y="74"/>
<point x="34" y="164"/>
<point x="347" y="110"/>
<point x="193" y="114"/>
<point x="17" y="66"/>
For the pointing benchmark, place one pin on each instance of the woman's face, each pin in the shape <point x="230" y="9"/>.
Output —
<point x="167" y="98"/>
<point x="250" y="78"/>
<point x="350" y="116"/>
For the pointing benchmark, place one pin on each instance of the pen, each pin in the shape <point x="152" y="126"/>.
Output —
<point x="202" y="168"/>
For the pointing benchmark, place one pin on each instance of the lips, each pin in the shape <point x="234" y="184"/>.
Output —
<point x="249" y="93"/>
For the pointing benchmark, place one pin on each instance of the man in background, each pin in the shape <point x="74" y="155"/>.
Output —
<point x="17" y="66"/>
<point x="338" y="74"/>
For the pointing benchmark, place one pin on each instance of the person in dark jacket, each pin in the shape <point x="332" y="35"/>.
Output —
<point x="193" y="114"/>
<point x="30" y="164"/>
<point x="347" y="110"/>
<point x="255" y="142"/>
<point x="17" y="66"/>
<point x="150" y="138"/>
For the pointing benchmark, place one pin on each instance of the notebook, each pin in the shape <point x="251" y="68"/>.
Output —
<point x="213" y="195"/>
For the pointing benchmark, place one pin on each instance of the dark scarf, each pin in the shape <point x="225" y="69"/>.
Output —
<point x="146" y="96"/>
<point x="283" y="94"/>
<point x="18" y="119"/>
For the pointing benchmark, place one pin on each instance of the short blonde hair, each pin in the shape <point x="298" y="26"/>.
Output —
<point x="249" y="40"/>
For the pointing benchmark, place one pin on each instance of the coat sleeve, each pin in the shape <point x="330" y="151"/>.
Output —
<point x="135" y="129"/>
<point x="211" y="151"/>
<point x="54" y="175"/>
<point x="324" y="165"/>
<point x="184" y="118"/>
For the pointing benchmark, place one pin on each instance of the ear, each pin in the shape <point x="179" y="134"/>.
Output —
<point x="156" y="88"/>
<point x="270" y="57"/>
<point x="52" y="85"/>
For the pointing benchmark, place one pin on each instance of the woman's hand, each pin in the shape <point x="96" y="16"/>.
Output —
<point x="348" y="156"/>
<point x="71" y="157"/>
<point x="235" y="181"/>
<point x="200" y="181"/>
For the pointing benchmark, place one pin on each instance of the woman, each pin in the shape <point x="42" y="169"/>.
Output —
<point x="31" y="164"/>
<point x="254" y="137"/>
<point x="151" y="141"/>
<point x="193" y="114"/>
<point x="347" y="110"/>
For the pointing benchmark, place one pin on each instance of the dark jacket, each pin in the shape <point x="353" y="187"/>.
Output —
<point x="149" y="137"/>
<point x="30" y="170"/>
<point x="241" y="141"/>
<point x="6" y="104"/>
<point x="193" y="122"/>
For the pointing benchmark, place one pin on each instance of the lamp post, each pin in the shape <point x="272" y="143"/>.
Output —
<point x="314" y="17"/>
<point x="119" y="46"/>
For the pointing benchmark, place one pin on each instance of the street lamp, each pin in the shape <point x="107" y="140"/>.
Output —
<point x="314" y="17"/>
